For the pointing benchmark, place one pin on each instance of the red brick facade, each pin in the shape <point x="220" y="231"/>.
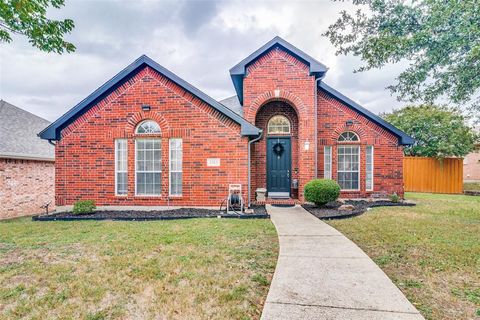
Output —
<point x="25" y="186"/>
<point x="275" y="83"/>
<point x="85" y="154"/>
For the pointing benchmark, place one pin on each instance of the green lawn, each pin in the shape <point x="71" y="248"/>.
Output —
<point x="431" y="251"/>
<point x="471" y="186"/>
<point x="183" y="269"/>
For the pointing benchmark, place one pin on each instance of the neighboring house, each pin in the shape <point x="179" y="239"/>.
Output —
<point x="471" y="166"/>
<point x="147" y="137"/>
<point x="27" y="171"/>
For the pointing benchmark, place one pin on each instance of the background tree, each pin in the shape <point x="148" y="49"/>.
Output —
<point x="439" y="38"/>
<point x="439" y="131"/>
<point x="28" y="18"/>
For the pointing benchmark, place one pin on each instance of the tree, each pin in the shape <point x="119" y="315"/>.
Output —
<point x="28" y="18"/>
<point x="440" y="39"/>
<point x="439" y="131"/>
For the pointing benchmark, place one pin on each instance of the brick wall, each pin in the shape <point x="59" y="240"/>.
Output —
<point x="471" y="166"/>
<point x="278" y="76"/>
<point x="85" y="154"/>
<point x="388" y="156"/>
<point x="25" y="185"/>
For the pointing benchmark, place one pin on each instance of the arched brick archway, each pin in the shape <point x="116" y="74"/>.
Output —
<point x="276" y="95"/>
<point x="265" y="112"/>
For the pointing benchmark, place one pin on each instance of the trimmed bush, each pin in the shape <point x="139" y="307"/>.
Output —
<point x="84" y="207"/>
<point x="394" y="197"/>
<point x="322" y="191"/>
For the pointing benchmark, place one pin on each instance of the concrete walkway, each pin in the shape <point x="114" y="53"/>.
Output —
<point x="321" y="274"/>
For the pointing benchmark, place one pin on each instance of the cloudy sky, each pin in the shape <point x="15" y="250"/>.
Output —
<point x="198" y="40"/>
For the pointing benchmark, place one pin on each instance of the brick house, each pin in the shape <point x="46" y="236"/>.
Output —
<point x="147" y="137"/>
<point x="27" y="172"/>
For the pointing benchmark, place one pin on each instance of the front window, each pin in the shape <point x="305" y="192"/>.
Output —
<point x="278" y="125"/>
<point x="148" y="127"/>
<point x="148" y="166"/>
<point x="348" y="136"/>
<point x="348" y="167"/>
<point x="175" y="167"/>
<point x="121" y="180"/>
<point x="327" y="162"/>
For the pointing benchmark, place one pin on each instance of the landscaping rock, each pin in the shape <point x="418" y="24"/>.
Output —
<point x="346" y="207"/>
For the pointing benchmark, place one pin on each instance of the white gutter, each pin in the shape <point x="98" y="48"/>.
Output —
<point x="19" y="156"/>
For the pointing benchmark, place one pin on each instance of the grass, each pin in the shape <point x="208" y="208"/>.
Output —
<point x="183" y="269"/>
<point x="471" y="186"/>
<point x="431" y="251"/>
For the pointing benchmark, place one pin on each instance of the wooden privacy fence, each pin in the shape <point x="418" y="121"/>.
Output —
<point x="422" y="174"/>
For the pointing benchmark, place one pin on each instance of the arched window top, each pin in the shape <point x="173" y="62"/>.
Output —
<point x="348" y="136"/>
<point x="278" y="124"/>
<point x="148" y="127"/>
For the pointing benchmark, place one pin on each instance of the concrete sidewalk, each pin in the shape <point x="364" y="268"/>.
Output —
<point x="321" y="274"/>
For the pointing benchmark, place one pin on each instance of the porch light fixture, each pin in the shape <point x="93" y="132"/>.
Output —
<point x="145" y="107"/>
<point x="349" y="123"/>
<point x="306" y="145"/>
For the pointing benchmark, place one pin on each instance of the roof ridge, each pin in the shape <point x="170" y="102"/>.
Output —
<point x="3" y="103"/>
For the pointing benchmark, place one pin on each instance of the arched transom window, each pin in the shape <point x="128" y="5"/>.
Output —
<point x="348" y="136"/>
<point x="148" y="127"/>
<point x="278" y="124"/>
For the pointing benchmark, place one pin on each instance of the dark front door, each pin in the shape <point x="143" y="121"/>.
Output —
<point x="279" y="158"/>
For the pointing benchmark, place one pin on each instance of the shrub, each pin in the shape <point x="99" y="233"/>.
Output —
<point x="84" y="207"/>
<point x="321" y="191"/>
<point x="394" y="197"/>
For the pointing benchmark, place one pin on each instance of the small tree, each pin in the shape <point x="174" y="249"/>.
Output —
<point x="439" y="131"/>
<point x="28" y="18"/>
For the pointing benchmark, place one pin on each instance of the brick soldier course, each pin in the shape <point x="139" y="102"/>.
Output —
<point x="277" y="79"/>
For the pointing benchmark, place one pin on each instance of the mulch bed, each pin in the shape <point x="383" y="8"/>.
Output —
<point x="133" y="215"/>
<point x="330" y="210"/>
<point x="471" y="193"/>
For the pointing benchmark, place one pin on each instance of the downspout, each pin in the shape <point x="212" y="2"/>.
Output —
<point x="50" y="141"/>
<point x="249" y="156"/>
<point x="316" y="126"/>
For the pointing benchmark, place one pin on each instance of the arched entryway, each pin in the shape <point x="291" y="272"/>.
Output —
<point x="275" y="156"/>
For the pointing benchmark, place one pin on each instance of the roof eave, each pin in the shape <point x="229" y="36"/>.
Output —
<point x="403" y="138"/>
<point x="52" y="132"/>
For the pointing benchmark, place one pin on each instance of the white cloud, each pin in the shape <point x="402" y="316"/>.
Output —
<point x="198" y="40"/>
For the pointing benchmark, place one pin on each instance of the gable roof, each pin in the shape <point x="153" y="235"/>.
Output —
<point x="238" y="71"/>
<point x="52" y="132"/>
<point x="233" y="104"/>
<point x="18" y="129"/>
<point x="403" y="138"/>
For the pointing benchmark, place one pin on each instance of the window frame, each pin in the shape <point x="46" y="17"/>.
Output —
<point x="136" y="167"/>
<point x="279" y="133"/>
<point x="359" y="167"/>
<point x="170" y="170"/>
<point x="116" y="149"/>
<point x="147" y="133"/>
<point x="348" y="141"/>
<point x="325" y="148"/>
<point x="372" y="167"/>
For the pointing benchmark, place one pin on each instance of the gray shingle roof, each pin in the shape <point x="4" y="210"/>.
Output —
<point x="233" y="104"/>
<point x="18" y="132"/>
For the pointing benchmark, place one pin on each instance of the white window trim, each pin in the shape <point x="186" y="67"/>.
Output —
<point x="325" y="148"/>
<point x="170" y="171"/>
<point x="359" y="167"/>
<point x="116" y="166"/>
<point x="136" y="171"/>
<point x="373" y="167"/>
<point x="279" y="116"/>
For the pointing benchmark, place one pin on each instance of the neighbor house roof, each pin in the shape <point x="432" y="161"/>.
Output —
<point x="403" y="138"/>
<point x="18" y="132"/>
<point x="52" y="132"/>
<point x="238" y="71"/>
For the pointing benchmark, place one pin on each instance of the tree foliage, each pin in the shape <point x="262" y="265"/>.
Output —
<point x="439" y="131"/>
<point x="28" y="18"/>
<point x="439" y="38"/>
